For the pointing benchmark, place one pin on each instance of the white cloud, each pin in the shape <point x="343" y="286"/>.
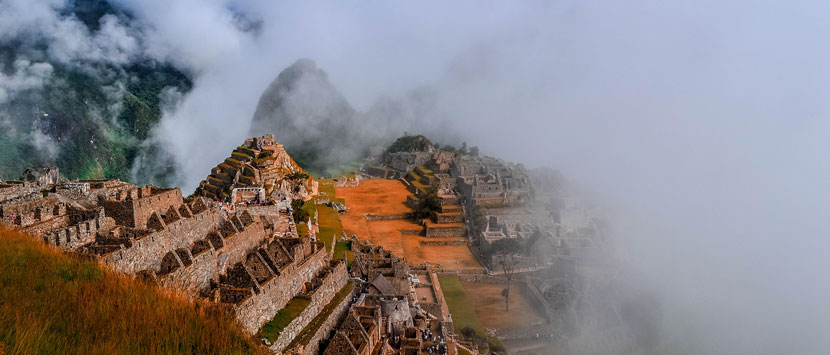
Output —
<point x="25" y="76"/>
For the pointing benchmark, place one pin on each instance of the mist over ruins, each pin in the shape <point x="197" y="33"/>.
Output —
<point x="374" y="261"/>
<point x="415" y="178"/>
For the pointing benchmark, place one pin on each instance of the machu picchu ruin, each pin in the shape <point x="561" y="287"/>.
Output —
<point x="334" y="281"/>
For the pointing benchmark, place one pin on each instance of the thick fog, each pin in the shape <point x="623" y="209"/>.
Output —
<point x="701" y="127"/>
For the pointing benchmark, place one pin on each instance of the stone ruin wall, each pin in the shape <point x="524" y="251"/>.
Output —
<point x="446" y="232"/>
<point x="331" y="283"/>
<point x="449" y="218"/>
<point x="385" y="217"/>
<point x="78" y="234"/>
<point x="147" y="252"/>
<point x="15" y="190"/>
<point x="194" y="277"/>
<point x="260" y="308"/>
<point x="134" y="208"/>
<point x="192" y="268"/>
<point x="326" y="329"/>
<point x="238" y="245"/>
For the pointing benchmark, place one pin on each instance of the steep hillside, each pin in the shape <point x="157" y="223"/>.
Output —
<point x="53" y="303"/>
<point x="86" y="112"/>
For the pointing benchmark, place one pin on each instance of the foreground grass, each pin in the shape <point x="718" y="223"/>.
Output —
<point x="54" y="303"/>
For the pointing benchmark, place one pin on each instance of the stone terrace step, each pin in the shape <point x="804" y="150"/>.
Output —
<point x="452" y="217"/>
<point x="450" y="208"/>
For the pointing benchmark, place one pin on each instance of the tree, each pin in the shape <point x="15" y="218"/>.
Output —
<point x="468" y="332"/>
<point x="428" y="205"/>
<point x="474" y="151"/>
<point x="505" y="252"/>
<point x="463" y="149"/>
<point x="299" y="214"/>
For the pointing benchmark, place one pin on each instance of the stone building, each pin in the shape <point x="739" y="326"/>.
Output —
<point x="249" y="257"/>
<point x="488" y="181"/>
<point x="259" y="162"/>
<point x="387" y="273"/>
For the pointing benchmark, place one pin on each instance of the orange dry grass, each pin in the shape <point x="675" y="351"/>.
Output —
<point x="376" y="196"/>
<point x="385" y="197"/>
<point x="54" y="303"/>
<point x="488" y="304"/>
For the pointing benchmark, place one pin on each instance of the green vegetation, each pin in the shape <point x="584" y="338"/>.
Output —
<point x="408" y="143"/>
<point x="420" y="182"/>
<point x="54" y="303"/>
<point x="298" y="176"/>
<point x="272" y="329"/>
<point x="339" y="170"/>
<point x="330" y="227"/>
<point x="464" y="318"/>
<point x="462" y="313"/>
<point x="311" y="328"/>
<point x="427" y="205"/>
<point x="300" y="211"/>
<point x="302" y="229"/>
<point x="329" y="219"/>
<point x="326" y="189"/>
<point x="341" y="247"/>
<point x="90" y="119"/>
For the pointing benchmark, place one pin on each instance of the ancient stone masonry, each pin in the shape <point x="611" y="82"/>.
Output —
<point x="320" y="291"/>
<point x="130" y="250"/>
<point x="268" y="279"/>
<point x="387" y="325"/>
<point x="395" y="313"/>
<point x="258" y="163"/>
<point x="322" y="327"/>
<point x="245" y="253"/>
<point x="370" y="262"/>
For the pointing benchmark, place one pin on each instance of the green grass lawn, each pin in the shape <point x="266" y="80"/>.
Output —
<point x="330" y="227"/>
<point x="326" y="189"/>
<point x="341" y="247"/>
<point x="272" y="329"/>
<point x="328" y="218"/>
<point x="462" y="314"/>
<point x="309" y="207"/>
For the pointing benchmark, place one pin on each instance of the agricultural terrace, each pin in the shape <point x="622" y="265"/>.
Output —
<point x="329" y="222"/>
<point x="388" y="197"/>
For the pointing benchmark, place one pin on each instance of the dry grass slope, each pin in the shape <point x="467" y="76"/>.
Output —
<point x="54" y="303"/>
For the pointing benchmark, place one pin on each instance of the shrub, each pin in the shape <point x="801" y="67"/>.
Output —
<point x="468" y="332"/>
<point x="300" y="214"/>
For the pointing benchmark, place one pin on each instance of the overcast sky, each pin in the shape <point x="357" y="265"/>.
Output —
<point x="701" y="126"/>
